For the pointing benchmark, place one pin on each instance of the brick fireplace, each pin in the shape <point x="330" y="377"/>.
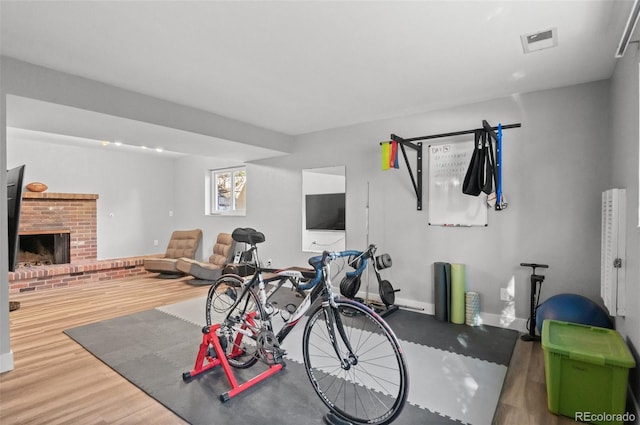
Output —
<point x="61" y="213"/>
<point x="71" y="217"/>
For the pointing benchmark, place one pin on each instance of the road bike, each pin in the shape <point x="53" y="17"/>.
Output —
<point x="352" y="357"/>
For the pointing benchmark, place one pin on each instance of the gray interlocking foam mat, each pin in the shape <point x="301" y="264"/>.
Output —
<point x="152" y="349"/>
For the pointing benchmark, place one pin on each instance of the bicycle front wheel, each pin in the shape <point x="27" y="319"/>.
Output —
<point x="369" y="387"/>
<point x="240" y="316"/>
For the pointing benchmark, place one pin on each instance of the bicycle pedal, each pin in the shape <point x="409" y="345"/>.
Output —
<point x="278" y="355"/>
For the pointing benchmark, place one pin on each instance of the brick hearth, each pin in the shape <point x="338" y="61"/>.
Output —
<point x="39" y="278"/>
<point x="75" y="213"/>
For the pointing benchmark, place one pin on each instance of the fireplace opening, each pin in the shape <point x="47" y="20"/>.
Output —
<point x="43" y="249"/>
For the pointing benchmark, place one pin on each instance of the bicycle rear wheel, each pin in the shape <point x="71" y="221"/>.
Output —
<point x="370" y="388"/>
<point x="240" y="317"/>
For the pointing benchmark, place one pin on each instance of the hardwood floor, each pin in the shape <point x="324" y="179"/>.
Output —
<point x="524" y="394"/>
<point x="56" y="381"/>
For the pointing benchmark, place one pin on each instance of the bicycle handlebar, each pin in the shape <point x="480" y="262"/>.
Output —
<point x="320" y="260"/>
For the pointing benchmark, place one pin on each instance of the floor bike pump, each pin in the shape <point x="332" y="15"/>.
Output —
<point x="535" y="296"/>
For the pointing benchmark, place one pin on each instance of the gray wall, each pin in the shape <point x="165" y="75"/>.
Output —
<point x="135" y="189"/>
<point x="555" y="168"/>
<point x="623" y="141"/>
<point x="271" y="193"/>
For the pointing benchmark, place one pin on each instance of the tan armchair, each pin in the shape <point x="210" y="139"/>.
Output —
<point x="183" y="244"/>
<point x="223" y="252"/>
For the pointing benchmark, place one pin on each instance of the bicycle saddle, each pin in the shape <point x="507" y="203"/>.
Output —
<point x="248" y="235"/>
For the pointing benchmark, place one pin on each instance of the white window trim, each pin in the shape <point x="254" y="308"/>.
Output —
<point x="211" y="195"/>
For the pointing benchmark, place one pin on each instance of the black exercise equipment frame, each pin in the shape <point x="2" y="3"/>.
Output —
<point x="386" y="292"/>
<point x="385" y="288"/>
<point x="417" y="180"/>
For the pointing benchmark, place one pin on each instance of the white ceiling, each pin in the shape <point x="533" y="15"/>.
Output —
<point x="300" y="66"/>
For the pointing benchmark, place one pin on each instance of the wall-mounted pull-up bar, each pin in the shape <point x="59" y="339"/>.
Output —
<point x="408" y="143"/>
<point x="417" y="180"/>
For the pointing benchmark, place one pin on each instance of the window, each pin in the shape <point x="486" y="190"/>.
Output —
<point x="229" y="191"/>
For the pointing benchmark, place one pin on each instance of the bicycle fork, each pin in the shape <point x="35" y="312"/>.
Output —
<point x="333" y="321"/>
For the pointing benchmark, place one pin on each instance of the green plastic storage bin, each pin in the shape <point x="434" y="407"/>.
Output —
<point x="586" y="369"/>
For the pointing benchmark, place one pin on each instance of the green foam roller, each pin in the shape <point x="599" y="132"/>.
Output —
<point x="458" y="289"/>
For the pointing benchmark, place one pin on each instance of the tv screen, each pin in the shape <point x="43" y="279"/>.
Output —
<point x="14" y="201"/>
<point x="325" y="211"/>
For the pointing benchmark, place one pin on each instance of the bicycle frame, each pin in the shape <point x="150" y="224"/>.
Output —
<point x="319" y="287"/>
<point x="364" y="381"/>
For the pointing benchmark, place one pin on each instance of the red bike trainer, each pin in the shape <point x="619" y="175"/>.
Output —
<point x="205" y="362"/>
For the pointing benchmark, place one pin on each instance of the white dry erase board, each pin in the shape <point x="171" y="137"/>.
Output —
<point x="448" y="206"/>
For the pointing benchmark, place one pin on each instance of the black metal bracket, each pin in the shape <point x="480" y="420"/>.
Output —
<point x="417" y="179"/>
<point x="408" y="143"/>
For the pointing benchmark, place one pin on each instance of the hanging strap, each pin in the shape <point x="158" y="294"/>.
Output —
<point x="470" y="185"/>
<point x="385" y="154"/>
<point x="490" y="172"/>
<point x="499" y="201"/>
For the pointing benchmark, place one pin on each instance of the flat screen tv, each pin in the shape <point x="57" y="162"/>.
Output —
<point x="325" y="211"/>
<point x="14" y="201"/>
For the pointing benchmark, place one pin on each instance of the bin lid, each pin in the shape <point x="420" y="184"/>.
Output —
<point x="586" y="343"/>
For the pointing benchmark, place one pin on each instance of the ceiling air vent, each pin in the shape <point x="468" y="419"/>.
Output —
<point x="539" y="40"/>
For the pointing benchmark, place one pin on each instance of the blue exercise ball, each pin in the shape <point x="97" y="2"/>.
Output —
<point x="572" y="308"/>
